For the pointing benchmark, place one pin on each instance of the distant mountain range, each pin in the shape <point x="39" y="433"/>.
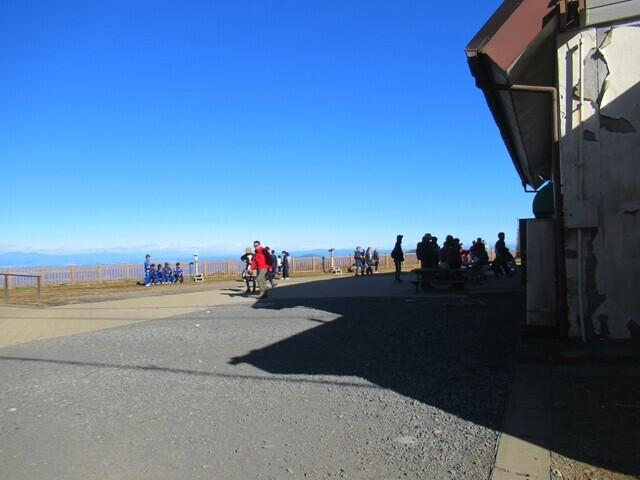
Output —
<point x="36" y="260"/>
<point x="31" y="260"/>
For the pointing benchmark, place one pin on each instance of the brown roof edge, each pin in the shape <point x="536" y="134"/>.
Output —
<point x="512" y="27"/>
<point x="494" y="50"/>
<point x="492" y="25"/>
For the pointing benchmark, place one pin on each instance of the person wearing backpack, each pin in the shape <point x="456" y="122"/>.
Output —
<point x="261" y="263"/>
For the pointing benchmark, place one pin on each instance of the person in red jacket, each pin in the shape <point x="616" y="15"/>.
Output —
<point x="261" y="263"/>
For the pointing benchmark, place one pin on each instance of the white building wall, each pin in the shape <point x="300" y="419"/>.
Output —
<point x="599" y="86"/>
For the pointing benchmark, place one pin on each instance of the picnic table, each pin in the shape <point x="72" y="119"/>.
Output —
<point x="429" y="277"/>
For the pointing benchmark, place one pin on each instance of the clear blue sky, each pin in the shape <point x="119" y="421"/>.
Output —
<point x="144" y="125"/>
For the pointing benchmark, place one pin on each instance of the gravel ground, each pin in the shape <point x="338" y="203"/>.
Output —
<point x="596" y="427"/>
<point x="375" y="388"/>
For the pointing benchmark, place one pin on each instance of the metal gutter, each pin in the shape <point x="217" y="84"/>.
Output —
<point x="561" y="264"/>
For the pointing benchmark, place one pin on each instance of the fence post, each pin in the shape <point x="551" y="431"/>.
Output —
<point x="72" y="274"/>
<point x="42" y="274"/>
<point x="228" y="267"/>
<point x="313" y="264"/>
<point x="99" y="273"/>
<point x="9" y="279"/>
<point x="6" y="289"/>
<point x="126" y="271"/>
<point x="39" y="293"/>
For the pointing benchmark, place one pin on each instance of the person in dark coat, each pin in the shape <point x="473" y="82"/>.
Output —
<point x="398" y="257"/>
<point x="376" y="259"/>
<point x="425" y="251"/>
<point x="285" y="265"/>
<point x="503" y="256"/>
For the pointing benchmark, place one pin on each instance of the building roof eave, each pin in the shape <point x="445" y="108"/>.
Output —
<point x="517" y="46"/>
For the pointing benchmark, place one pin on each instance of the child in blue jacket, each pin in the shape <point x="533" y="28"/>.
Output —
<point x="168" y="273"/>
<point x="177" y="274"/>
<point x="160" y="278"/>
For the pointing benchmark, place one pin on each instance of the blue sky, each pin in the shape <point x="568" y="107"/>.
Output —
<point x="143" y="126"/>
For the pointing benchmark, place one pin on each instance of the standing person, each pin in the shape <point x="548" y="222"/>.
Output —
<point x="358" y="256"/>
<point x="502" y="256"/>
<point x="147" y="270"/>
<point x="260" y="264"/>
<point x="479" y="253"/>
<point x="451" y="253"/>
<point x="398" y="257"/>
<point x="376" y="259"/>
<point x="424" y="251"/>
<point x="273" y="265"/>
<point x="246" y="271"/>
<point x="436" y="252"/>
<point x="285" y="265"/>
<point x="368" y="261"/>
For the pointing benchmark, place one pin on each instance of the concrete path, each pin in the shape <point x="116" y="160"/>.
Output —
<point x="525" y="441"/>
<point x="520" y="454"/>
<point x="22" y="324"/>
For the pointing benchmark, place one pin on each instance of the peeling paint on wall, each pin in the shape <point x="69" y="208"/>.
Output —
<point x="596" y="72"/>
<point x="618" y="125"/>
<point x="595" y="299"/>
<point x="600" y="164"/>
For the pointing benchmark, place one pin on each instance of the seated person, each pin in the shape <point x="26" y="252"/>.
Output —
<point x="168" y="273"/>
<point x="152" y="274"/>
<point x="160" y="278"/>
<point x="178" y="276"/>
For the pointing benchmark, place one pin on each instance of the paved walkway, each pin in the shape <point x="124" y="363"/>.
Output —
<point x="20" y="324"/>
<point x="23" y="324"/>
<point x="523" y="451"/>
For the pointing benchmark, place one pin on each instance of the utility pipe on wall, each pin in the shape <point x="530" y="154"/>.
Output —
<point x="583" y="330"/>
<point x="561" y="264"/>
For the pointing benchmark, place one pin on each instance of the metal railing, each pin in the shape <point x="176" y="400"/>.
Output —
<point x="71" y="275"/>
<point x="6" y="284"/>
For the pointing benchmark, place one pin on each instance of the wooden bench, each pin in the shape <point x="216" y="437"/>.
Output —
<point x="428" y="277"/>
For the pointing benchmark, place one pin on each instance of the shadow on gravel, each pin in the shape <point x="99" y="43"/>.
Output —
<point x="455" y="355"/>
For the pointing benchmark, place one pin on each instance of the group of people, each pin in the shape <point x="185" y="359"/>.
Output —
<point x="453" y="255"/>
<point x="366" y="261"/>
<point x="263" y="265"/>
<point x="161" y="274"/>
